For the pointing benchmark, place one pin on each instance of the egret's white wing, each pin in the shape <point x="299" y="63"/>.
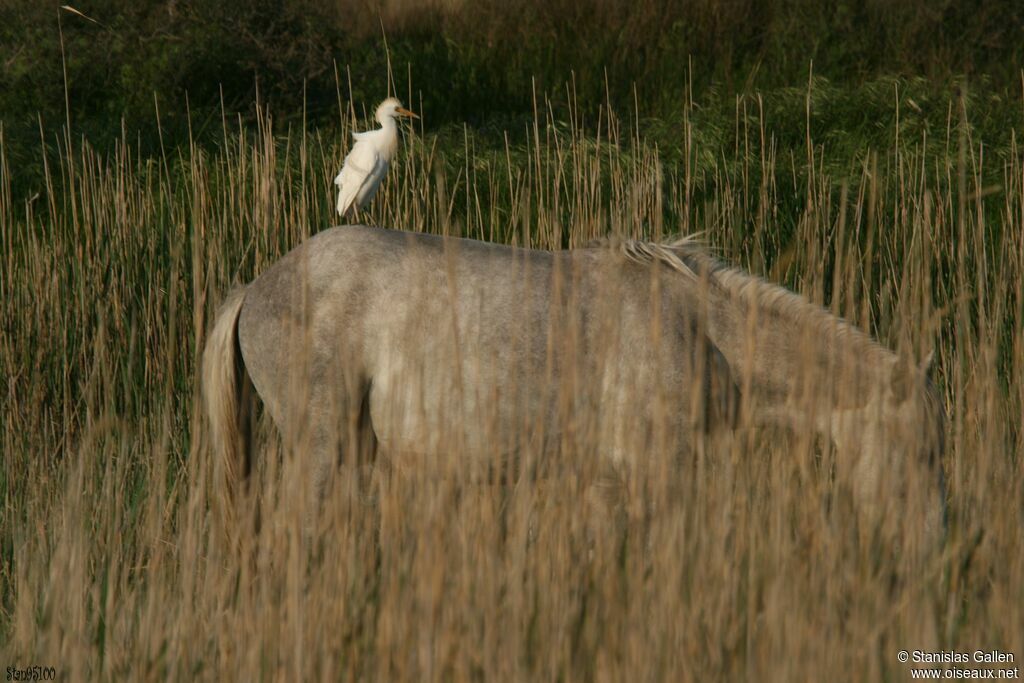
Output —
<point x="362" y="166"/>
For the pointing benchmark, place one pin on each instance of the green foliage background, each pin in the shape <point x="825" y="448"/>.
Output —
<point x="477" y="63"/>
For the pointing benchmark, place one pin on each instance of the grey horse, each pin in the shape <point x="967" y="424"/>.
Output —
<point x="364" y="338"/>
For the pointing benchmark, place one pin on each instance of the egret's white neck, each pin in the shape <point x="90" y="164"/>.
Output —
<point x="387" y="136"/>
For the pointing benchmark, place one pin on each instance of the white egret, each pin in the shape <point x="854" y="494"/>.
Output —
<point x="367" y="161"/>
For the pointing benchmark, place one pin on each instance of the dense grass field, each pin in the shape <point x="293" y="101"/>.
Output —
<point x="896" y="202"/>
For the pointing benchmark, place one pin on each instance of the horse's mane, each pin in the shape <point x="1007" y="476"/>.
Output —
<point x="689" y="256"/>
<point x="670" y="254"/>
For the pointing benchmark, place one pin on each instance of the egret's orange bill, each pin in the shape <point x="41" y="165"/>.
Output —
<point x="405" y="112"/>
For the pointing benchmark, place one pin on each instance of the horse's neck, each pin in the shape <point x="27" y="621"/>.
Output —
<point x="785" y="351"/>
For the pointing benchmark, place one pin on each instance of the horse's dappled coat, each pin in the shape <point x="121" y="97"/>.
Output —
<point x="363" y="337"/>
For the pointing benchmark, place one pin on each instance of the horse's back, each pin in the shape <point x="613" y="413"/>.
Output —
<point x="454" y="338"/>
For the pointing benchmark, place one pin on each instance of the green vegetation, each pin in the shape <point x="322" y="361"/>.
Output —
<point x="886" y="183"/>
<point x="478" y="63"/>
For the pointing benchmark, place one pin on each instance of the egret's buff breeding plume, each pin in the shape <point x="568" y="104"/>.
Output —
<point x="367" y="162"/>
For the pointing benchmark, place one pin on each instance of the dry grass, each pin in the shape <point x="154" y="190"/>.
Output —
<point x="113" y="566"/>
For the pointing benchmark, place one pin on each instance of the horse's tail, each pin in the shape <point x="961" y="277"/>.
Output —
<point x="227" y="392"/>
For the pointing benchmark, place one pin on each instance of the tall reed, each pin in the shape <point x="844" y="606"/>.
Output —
<point x="113" y="565"/>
